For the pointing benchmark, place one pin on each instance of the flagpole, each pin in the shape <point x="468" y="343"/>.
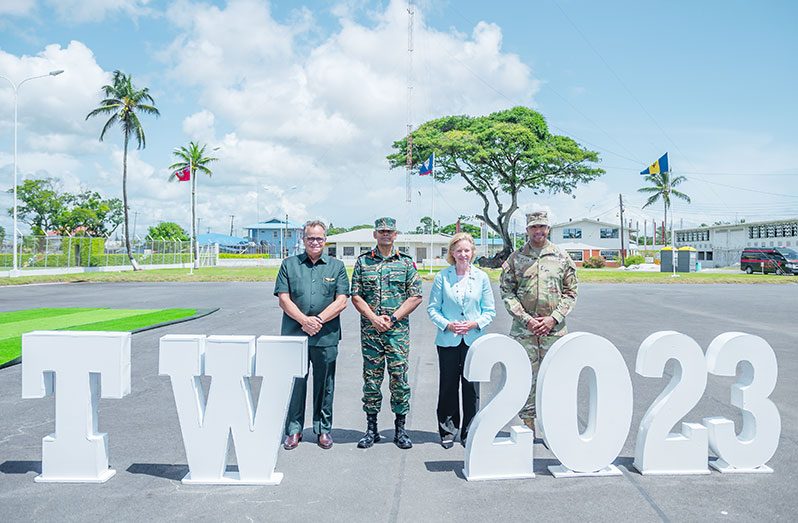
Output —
<point x="432" y="228"/>
<point x="191" y="189"/>
<point x="673" y="238"/>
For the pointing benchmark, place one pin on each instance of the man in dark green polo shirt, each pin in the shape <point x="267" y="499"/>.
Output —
<point x="313" y="290"/>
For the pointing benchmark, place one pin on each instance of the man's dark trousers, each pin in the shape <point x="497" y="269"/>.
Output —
<point x="322" y="359"/>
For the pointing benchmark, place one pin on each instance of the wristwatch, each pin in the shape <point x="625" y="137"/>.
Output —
<point x="393" y="319"/>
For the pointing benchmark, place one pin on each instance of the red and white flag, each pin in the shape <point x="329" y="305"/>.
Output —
<point x="184" y="175"/>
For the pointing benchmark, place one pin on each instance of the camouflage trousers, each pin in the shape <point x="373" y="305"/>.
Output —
<point x="389" y="348"/>
<point x="536" y="348"/>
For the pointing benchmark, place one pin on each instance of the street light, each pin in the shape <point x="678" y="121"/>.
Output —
<point x="15" y="88"/>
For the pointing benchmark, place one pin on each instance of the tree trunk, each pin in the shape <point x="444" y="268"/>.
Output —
<point x="124" y="205"/>
<point x="194" y="258"/>
<point x="502" y="227"/>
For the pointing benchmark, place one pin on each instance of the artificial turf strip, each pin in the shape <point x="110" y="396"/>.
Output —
<point x="136" y="322"/>
<point x="78" y="319"/>
<point x="54" y="323"/>
<point x="29" y="314"/>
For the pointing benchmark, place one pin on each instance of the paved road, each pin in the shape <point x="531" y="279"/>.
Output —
<point x="384" y="483"/>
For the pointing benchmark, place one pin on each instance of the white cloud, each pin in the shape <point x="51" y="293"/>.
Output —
<point x="97" y="10"/>
<point x="52" y="109"/>
<point x="323" y="116"/>
<point x="17" y="7"/>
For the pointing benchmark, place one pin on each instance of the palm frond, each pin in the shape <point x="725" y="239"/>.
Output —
<point x="649" y="189"/>
<point x="680" y="195"/>
<point x="110" y="123"/>
<point x="651" y="200"/>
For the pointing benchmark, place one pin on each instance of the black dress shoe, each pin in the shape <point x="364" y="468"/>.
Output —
<point x="447" y="441"/>
<point x="292" y="440"/>
<point x="325" y="440"/>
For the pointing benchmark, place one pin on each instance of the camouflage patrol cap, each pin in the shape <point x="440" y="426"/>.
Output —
<point x="537" y="218"/>
<point x="385" y="224"/>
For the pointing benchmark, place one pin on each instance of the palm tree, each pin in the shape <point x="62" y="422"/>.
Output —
<point x="122" y="102"/>
<point x="191" y="157"/>
<point x="662" y="186"/>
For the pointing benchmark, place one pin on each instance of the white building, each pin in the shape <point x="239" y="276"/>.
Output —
<point x="585" y="238"/>
<point x="721" y="245"/>
<point x="348" y="246"/>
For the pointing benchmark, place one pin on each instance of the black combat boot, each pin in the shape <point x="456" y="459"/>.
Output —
<point x="372" y="435"/>
<point x="400" y="437"/>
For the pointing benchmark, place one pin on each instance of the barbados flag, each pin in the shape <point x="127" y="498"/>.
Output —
<point x="660" y="166"/>
<point x="427" y="167"/>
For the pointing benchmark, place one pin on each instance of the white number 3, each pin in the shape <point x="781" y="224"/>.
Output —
<point x="759" y="436"/>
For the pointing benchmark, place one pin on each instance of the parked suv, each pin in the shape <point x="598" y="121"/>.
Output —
<point x="779" y="260"/>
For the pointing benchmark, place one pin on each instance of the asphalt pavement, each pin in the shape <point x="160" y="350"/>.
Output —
<point x="385" y="483"/>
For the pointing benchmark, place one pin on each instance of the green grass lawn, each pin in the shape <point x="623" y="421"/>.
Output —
<point x="14" y="324"/>
<point x="256" y="274"/>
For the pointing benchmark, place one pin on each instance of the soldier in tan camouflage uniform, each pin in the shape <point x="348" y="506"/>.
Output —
<point x="385" y="289"/>
<point x="538" y="287"/>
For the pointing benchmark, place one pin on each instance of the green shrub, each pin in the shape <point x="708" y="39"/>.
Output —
<point x="635" y="259"/>
<point x="83" y="251"/>
<point x="594" y="262"/>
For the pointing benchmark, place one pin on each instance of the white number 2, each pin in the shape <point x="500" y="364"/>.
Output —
<point x="486" y="456"/>
<point x="759" y="436"/>
<point x="658" y="450"/>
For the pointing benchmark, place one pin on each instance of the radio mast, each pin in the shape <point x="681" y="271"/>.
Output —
<point x="409" y="160"/>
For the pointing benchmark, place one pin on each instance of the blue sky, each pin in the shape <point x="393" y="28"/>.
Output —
<point x="305" y="98"/>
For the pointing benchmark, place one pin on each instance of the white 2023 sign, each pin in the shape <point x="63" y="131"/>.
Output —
<point x="87" y="363"/>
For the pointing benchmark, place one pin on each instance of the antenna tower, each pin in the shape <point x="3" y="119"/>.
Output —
<point x="409" y="160"/>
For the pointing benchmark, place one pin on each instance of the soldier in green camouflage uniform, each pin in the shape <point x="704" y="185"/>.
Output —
<point x="538" y="286"/>
<point x="385" y="289"/>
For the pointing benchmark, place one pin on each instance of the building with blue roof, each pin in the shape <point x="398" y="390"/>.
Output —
<point x="226" y="243"/>
<point x="269" y="234"/>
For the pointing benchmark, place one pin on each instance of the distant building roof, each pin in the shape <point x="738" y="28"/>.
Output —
<point x="275" y="224"/>
<point x="577" y="246"/>
<point x="367" y="236"/>
<point x="588" y="220"/>
<point x="736" y="225"/>
<point x="489" y="241"/>
<point x="222" y="239"/>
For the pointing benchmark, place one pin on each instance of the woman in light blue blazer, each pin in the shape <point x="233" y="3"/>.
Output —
<point x="461" y="305"/>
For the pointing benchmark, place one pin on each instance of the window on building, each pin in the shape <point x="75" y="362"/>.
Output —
<point x="349" y="251"/>
<point x="571" y="233"/>
<point x="608" y="232"/>
<point x="700" y="255"/>
<point x="275" y="234"/>
<point x="364" y="249"/>
<point x="404" y="249"/>
<point x="609" y="255"/>
<point x="709" y="256"/>
<point x="444" y="250"/>
<point x="331" y="251"/>
<point x="575" y="255"/>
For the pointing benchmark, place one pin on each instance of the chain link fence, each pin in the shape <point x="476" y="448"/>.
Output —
<point x="46" y="252"/>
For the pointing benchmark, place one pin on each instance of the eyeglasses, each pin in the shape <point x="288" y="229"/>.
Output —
<point x="385" y="231"/>
<point x="315" y="239"/>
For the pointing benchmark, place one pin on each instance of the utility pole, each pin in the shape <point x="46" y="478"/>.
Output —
<point x="620" y="201"/>
<point x="232" y="217"/>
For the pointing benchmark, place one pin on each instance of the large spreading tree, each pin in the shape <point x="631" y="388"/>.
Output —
<point x="499" y="156"/>
<point x="122" y="104"/>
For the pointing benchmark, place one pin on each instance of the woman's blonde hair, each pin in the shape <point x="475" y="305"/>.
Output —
<point x="460" y="236"/>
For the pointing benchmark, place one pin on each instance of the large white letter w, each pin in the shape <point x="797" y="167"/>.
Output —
<point x="206" y="425"/>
